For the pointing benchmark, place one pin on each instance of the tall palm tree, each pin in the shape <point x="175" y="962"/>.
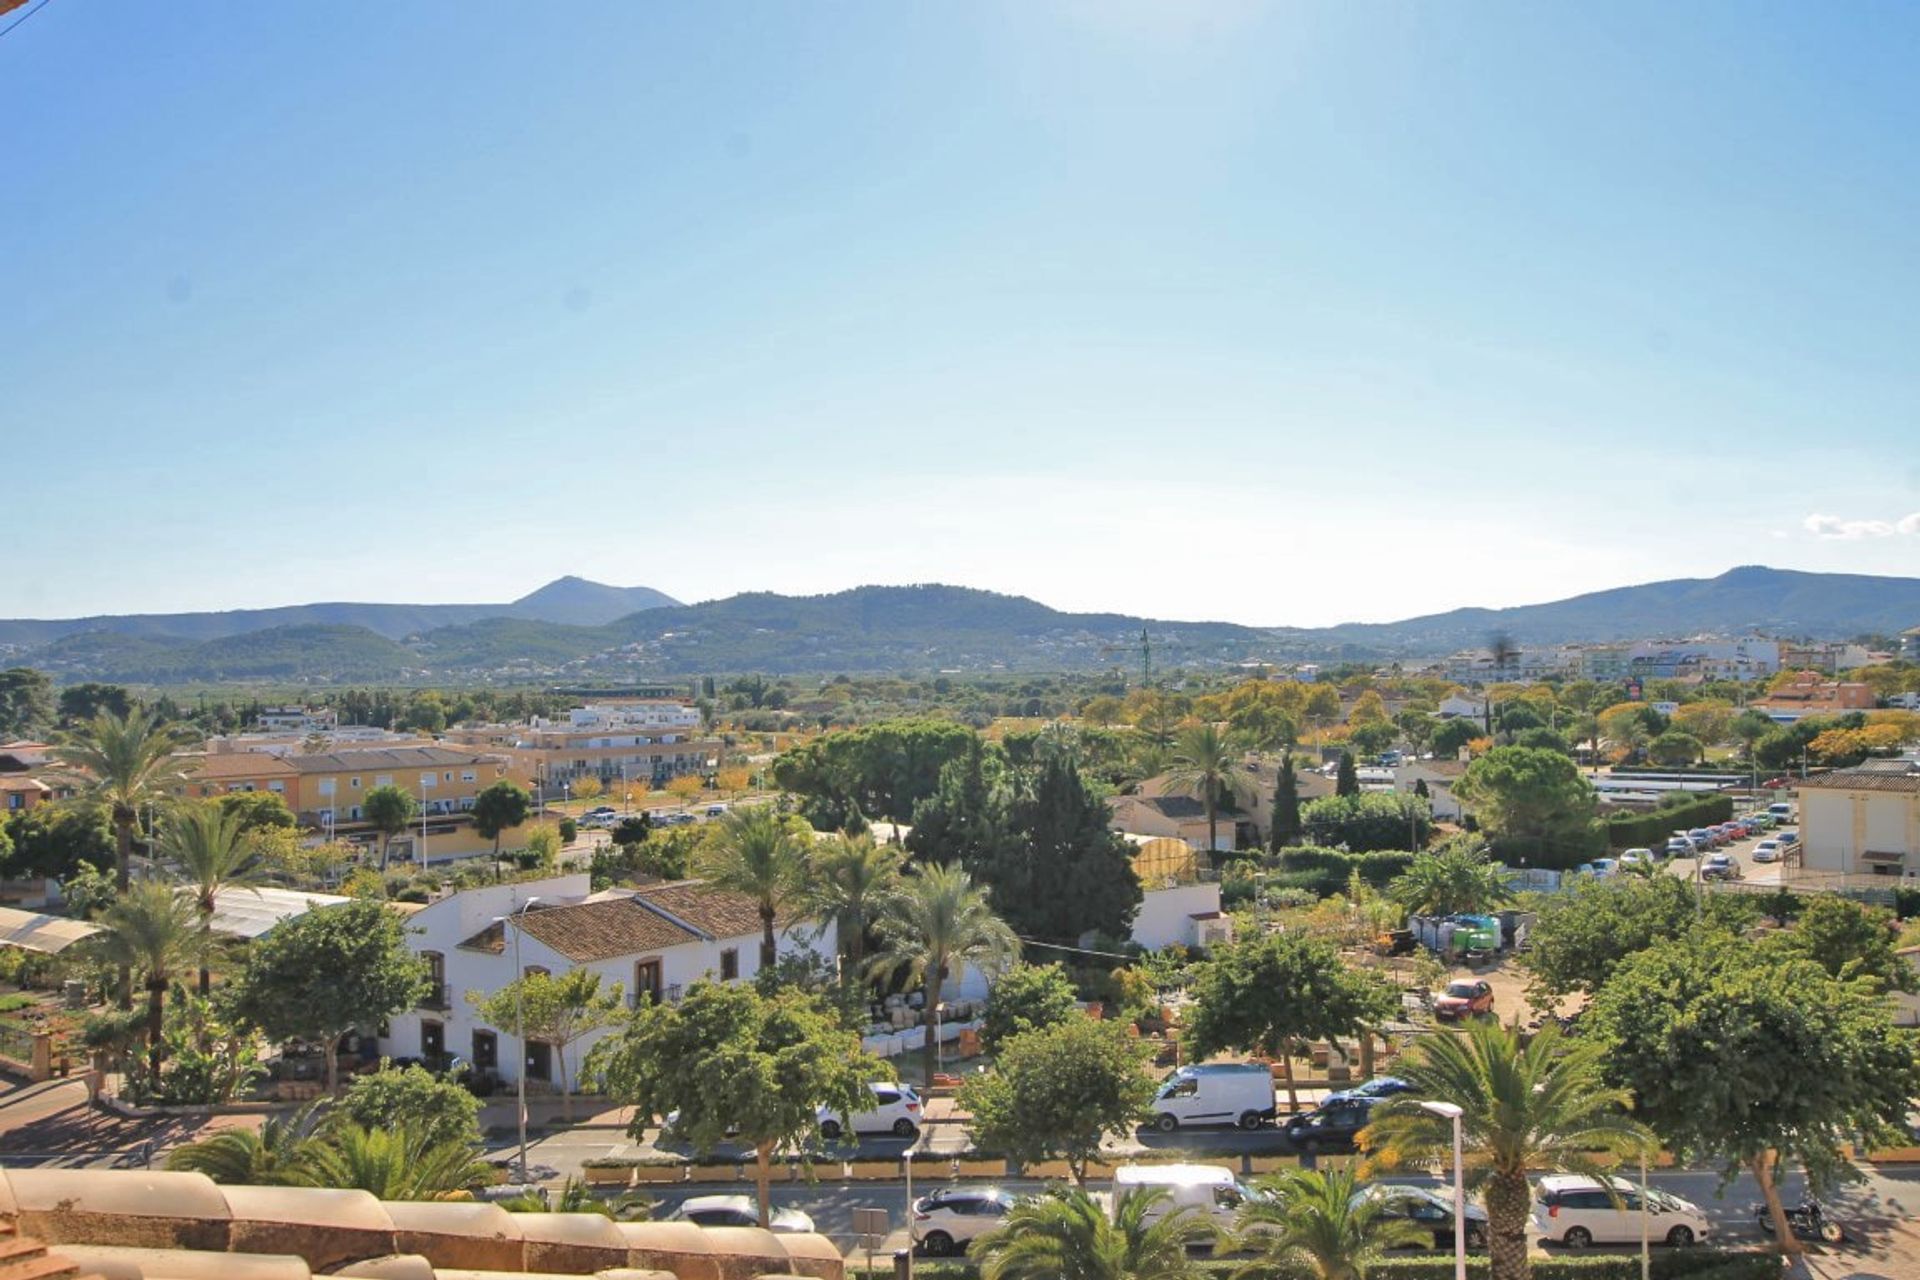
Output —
<point x="1066" y="1235"/>
<point x="941" y="922"/>
<point x="211" y="848"/>
<point x="1320" y="1218"/>
<point x="400" y="1163"/>
<point x="155" y="929"/>
<point x="1206" y="759"/>
<point x="852" y="878"/>
<point x="273" y="1155"/>
<point x="1458" y="878"/>
<point x="758" y="854"/>
<point x="125" y="763"/>
<point x="1539" y="1107"/>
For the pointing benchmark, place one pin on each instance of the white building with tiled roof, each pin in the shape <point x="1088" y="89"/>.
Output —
<point x="658" y="939"/>
<point x="1863" y="821"/>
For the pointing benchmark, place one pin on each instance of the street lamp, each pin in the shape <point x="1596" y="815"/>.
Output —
<point x="908" y="1158"/>
<point x="1451" y="1112"/>
<point x="520" y="1029"/>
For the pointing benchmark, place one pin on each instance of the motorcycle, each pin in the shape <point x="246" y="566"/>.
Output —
<point x="1806" y="1220"/>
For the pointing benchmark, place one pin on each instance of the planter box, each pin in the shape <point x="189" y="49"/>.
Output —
<point x="1895" y="1155"/>
<point x="1272" y="1164"/>
<point x="607" y="1176"/>
<point x="872" y="1170"/>
<point x="659" y="1173"/>
<point x="713" y="1172"/>
<point x="1047" y="1170"/>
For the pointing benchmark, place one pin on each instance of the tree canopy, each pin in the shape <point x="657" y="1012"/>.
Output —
<point x="1028" y="997"/>
<point x="1534" y="798"/>
<point x="1057" y="1091"/>
<point x="1580" y="937"/>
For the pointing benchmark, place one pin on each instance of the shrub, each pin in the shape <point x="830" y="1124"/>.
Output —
<point x="1326" y="872"/>
<point x="1370" y="820"/>
<point x="1649" y="830"/>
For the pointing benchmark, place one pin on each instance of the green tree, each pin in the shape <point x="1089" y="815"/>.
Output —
<point x="210" y="846"/>
<point x="399" y="1163"/>
<point x="1580" y="937"/>
<point x="1451" y="735"/>
<point x="850" y="880"/>
<point x="26" y="703"/>
<point x="1458" y="878"/>
<point x="1674" y="748"/>
<point x="1065" y="873"/>
<point x="1286" y="806"/>
<point x="82" y="702"/>
<point x="1267" y="993"/>
<point x="1748" y="728"/>
<point x="1527" y="795"/>
<point x="152" y="930"/>
<point x="759" y="854"/>
<point x="883" y="770"/>
<point x="1372" y="738"/>
<point x="57" y="839"/>
<point x="1372" y="820"/>
<point x="391" y="809"/>
<point x="1741" y="1055"/>
<point x="1346" y="779"/>
<point x="498" y="808"/>
<point x="557" y="1010"/>
<point x="1539" y="1108"/>
<point x="1067" y="1235"/>
<point x="323" y="974"/>
<point x="1849" y="940"/>
<point x="939" y="923"/>
<point x="258" y="811"/>
<point x="274" y="1155"/>
<point x="1319" y="1219"/>
<point x="439" y="1110"/>
<point x="736" y="1063"/>
<point x="965" y="818"/>
<point x="1055" y="1092"/>
<point x="1028" y="997"/>
<point x="1205" y="760"/>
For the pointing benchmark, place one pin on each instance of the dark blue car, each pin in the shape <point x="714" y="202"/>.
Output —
<point x="1373" y="1090"/>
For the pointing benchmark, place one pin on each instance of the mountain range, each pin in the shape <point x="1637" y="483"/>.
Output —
<point x="573" y="628"/>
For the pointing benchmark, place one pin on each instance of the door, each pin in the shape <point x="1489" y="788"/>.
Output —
<point x="647" y="979"/>
<point x="539" y="1060"/>
<point x="433" y="1041"/>
<point x="486" y="1051"/>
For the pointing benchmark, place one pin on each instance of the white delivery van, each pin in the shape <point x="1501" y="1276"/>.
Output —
<point x="1215" y="1093"/>
<point x="1211" y="1190"/>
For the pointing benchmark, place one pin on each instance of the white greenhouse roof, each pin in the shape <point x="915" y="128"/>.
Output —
<point x="249" y="913"/>
<point x="31" y="931"/>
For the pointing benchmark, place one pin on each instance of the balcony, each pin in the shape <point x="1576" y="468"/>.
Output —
<point x="439" y="997"/>
<point x="666" y="995"/>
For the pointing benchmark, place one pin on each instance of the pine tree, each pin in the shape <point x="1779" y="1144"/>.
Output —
<point x="1346" y="782"/>
<point x="1061" y="873"/>
<point x="965" y="819"/>
<point x="1286" y="806"/>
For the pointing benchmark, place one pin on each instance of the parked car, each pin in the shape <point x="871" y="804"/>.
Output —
<point x="1774" y="784"/>
<point x="601" y="811"/>
<point x="1760" y="821"/>
<point x="1329" y="1126"/>
<point x="1720" y="866"/>
<point x="1430" y="1209"/>
<point x="1638" y="855"/>
<point x="1782" y="811"/>
<point x="1680" y="847"/>
<point x="1237" y="1093"/>
<point x="1578" y="1212"/>
<point x="716" y="811"/>
<point x="737" y="1211"/>
<point x="1767" y="851"/>
<point x="1788" y="839"/>
<point x="1375" y="1089"/>
<point x="1705" y="838"/>
<point x="895" y="1110"/>
<point x="1210" y="1191"/>
<point x="1601" y="867"/>
<point x="946" y="1221"/>
<point x="1463" y="998"/>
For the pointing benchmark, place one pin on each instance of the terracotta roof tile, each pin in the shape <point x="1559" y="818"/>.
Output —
<point x="585" y="932"/>
<point x="718" y="913"/>
<point x="1862" y="780"/>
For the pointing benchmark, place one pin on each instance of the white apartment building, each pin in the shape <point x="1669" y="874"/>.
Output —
<point x="1863" y="821"/>
<point x="657" y="940"/>
<point x="624" y="718"/>
<point x="298" y="719"/>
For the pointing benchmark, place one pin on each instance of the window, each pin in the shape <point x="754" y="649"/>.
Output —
<point x="449" y="775"/>
<point x="429" y="779"/>
<point x="326" y="786"/>
<point x="382" y="779"/>
<point x="532" y="969"/>
<point x="486" y="1051"/>
<point x="277" y="786"/>
<point x="729" y="964"/>
<point x="354" y="783"/>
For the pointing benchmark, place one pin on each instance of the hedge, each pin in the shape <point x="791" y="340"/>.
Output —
<point x="1326" y="871"/>
<point x="1650" y="830"/>
<point x="1700" y="1263"/>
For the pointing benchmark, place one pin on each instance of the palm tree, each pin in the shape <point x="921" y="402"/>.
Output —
<point x="1066" y="1235"/>
<point x="1320" y="1218"/>
<point x="398" y="1163"/>
<point x="1456" y="879"/>
<point x="389" y="810"/>
<point x="272" y="1156"/>
<point x="153" y="928"/>
<point x="1206" y="759"/>
<point x="126" y="763"/>
<point x="759" y="855"/>
<point x="1544" y="1106"/>
<point x="210" y="845"/>
<point x="852" y="879"/>
<point x="938" y="923"/>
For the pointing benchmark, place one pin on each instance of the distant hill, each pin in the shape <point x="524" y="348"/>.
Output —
<point x="1748" y="600"/>
<point x="928" y="628"/>
<point x="569" y="600"/>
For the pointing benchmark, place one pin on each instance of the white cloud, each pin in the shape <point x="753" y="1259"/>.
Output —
<point x="1854" y="530"/>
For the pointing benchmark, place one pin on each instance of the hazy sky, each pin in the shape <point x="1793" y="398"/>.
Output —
<point x="1280" y="313"/>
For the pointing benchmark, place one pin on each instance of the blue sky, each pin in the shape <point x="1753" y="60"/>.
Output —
<point x="1280" y="313"/>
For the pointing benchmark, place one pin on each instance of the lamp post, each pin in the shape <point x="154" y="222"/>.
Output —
<point x="908" y="1158"/>
<point x="1646" y="1252"/>
<point x="1453" y="1113"/>
<point x="520" y="1031"/>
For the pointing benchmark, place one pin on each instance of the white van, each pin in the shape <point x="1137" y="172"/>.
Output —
<point x="1210" y="1189"/>
<point x="1239" y="1093"/>
<point x="1781" y="812"/>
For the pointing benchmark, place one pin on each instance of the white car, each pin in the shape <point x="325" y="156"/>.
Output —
<point x="946" y="1221"/>
<point x="1767" y="851"/>
<point x="1578" y="1212"/>
<point x="737" y="1211"/>
<point x="895" y="1110"/>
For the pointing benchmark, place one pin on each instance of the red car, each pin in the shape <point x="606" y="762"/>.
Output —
<point x="1774" y="784"/>
<point x="1463" y="998"/>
